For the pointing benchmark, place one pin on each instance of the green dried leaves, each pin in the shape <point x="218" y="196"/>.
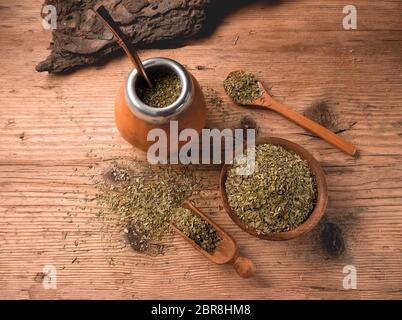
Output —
<point x="165" y="91"/>
<point x="197" y="229"/>
<point x="212" y="97"/>
<point x="145" y="207"/>
<point x="279" y="196"/>
<point x="242" y="87"/>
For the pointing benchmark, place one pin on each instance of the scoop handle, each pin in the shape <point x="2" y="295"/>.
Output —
<point x="244" y="266"/>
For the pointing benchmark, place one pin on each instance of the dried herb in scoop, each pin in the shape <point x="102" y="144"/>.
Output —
<point x="197" y="229"/>
<point x="165" y="91"/>
<point x="279" y="196"/>
<point x="242" y="87"/>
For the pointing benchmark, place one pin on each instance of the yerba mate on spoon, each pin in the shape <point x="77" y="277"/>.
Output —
<point x="211" y="240"/>
<point x="246" y="90"/>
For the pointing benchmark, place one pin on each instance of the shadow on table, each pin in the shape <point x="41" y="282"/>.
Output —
<point x="219" y="9"/>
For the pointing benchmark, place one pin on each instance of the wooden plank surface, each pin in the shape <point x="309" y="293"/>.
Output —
<point x="57" y="133"/>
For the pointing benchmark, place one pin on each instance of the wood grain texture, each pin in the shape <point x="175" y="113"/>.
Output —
<point x="57" y="132"/>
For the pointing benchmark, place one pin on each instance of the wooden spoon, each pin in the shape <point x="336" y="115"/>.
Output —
<point x="123" y="41"/>
<point x="267" y="101"/>
<point x="225" y="252"/>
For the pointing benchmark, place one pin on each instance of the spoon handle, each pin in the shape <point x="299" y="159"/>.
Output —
<point x="309" y="125"/>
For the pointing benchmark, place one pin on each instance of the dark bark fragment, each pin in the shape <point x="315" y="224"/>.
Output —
<point x="81" y="39"/>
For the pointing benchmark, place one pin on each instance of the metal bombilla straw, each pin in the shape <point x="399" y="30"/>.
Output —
<point x="123" y="42"/>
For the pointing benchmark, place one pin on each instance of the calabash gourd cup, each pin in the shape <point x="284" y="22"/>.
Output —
<point x="321" y="202"/>
<point x="135" y="119"/>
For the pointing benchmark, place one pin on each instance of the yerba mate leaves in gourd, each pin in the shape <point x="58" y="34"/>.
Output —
<point x="279" y="196"/>
<point x="165" y="91"/>
<point x="197" y="229"/>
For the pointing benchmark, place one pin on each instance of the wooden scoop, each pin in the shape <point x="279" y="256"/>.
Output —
<point x="225" y="252"/>
<point x="267" y="101"/>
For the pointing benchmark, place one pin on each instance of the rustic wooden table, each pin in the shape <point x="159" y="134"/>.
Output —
<point x="57" y="132"/>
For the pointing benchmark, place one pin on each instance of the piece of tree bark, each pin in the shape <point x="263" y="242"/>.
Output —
<point x="81" y="38"/>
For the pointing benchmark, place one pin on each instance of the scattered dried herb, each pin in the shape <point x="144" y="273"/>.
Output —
<point x="144" y="208"/>
<point x="197" y="229"/>
<point x="242" y="87"/>
<point x="213" y="98"/>
<point x="116" y="174"/>
<point x="165" y="90"/>
<point x="279" y="196"/>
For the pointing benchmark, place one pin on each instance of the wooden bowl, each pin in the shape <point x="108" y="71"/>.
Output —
<point x="322" y="196"/>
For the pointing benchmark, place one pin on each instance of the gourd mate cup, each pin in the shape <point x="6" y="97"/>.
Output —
<point x="135" y="119"/>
